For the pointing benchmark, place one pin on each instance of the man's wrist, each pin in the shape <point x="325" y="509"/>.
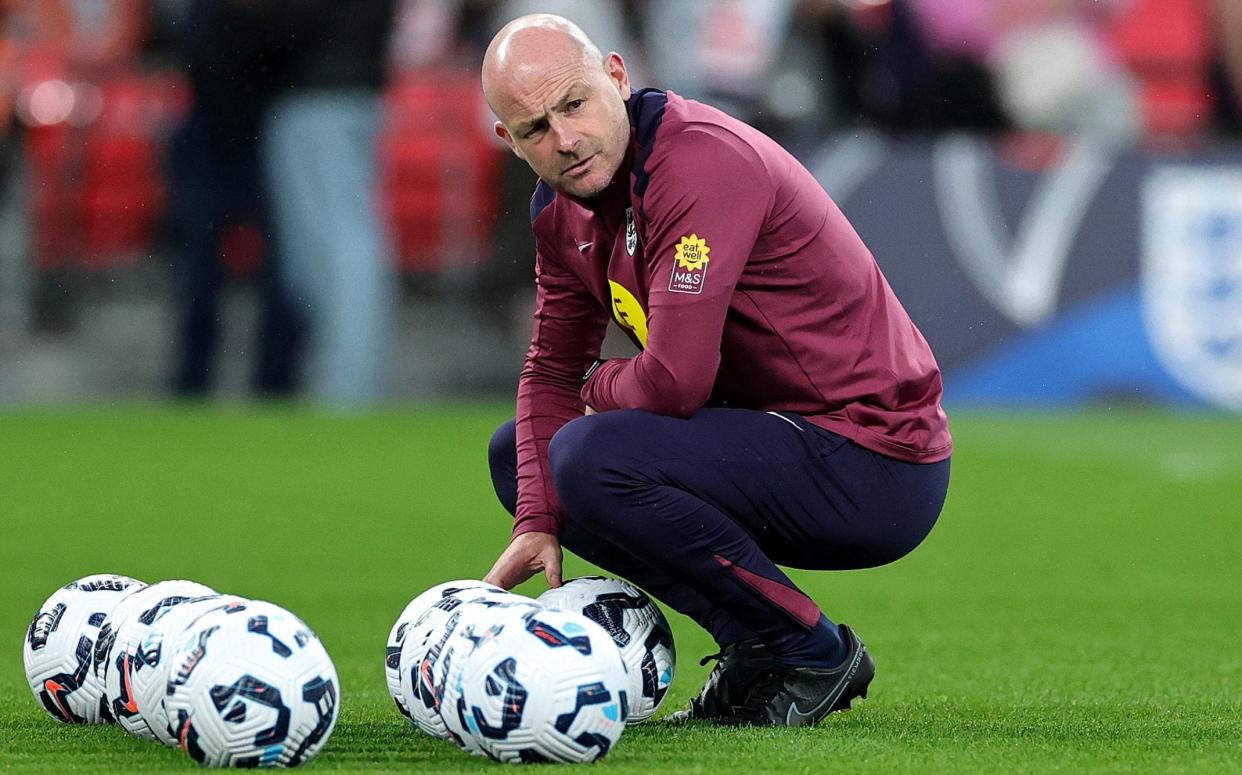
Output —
<point x="535" y="524"/>
<point x="593" y="368"/>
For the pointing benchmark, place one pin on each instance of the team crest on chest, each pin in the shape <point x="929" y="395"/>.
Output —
<point x="631" y="232"/>
<point x="690" y="271"/>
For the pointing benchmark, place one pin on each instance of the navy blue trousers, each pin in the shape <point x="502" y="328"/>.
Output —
<point x="700" y="512"/>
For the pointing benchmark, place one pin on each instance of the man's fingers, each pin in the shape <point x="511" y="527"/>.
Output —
<point x="506" y="573"/>
<point x="511" y="575"/>
<point x="496" y="574"/>
<point x="552" y="566"/>
<point x="526" y="555"/>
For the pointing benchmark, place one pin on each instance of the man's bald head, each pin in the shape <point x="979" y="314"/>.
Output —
<point x="560" y="104"/>
<point x="527" y="44"/>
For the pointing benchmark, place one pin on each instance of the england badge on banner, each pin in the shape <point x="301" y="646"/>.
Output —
<point x="1192" y="277"/>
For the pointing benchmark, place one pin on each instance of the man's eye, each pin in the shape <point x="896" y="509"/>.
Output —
<point x="575" y="104"/>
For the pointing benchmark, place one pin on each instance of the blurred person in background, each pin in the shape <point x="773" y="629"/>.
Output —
<point x="9" y="57"/>
<point x="604" y="20"/>
<point x="13" y="266"/>
<point x="1227" y="74"/>
<point x="888" y="70"/>
<point x="725" y="51"/>
<point x="56" y="44"/>
<point x="319" y="148"/>
<point x="1052" y="64"/>
<point x="215" y="182"/>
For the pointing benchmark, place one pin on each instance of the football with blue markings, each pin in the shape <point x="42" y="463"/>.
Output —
<point x="638" y="627"/>
<point x="529" y="685"/>
<point x="250" y="685"/>
<point x="58" y="652"/>
<point x="461" y="588"/>
<point x="118" y="655"/>
<point x="426" y="652"/>
<point x="148" y="678"/>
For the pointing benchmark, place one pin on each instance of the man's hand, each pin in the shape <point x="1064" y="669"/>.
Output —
<point x="525" y="555"/>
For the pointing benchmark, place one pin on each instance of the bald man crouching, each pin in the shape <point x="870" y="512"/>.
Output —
<point x="783" y="409"/>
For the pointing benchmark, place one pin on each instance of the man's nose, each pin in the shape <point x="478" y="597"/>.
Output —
<point x="567" y="138"/>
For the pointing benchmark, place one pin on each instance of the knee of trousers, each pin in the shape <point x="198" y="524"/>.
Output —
<point x="502" y="462"/>
<point x="581" y="456"/>
<point x="502" y="449"/>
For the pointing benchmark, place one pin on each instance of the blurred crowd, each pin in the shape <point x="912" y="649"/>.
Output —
<point x="323" y="150"/>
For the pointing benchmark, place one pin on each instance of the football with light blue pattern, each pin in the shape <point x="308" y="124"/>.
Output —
<point x="149" y="679"/>
<point x="250" y="685"/>
<point x="123" y="662"/>
<point x="427" y="650"/>
<point x="59" y="647"/>
<point x="637" y="626"/>
<point x="461" y="588"/>
<point x="530" y="685"/>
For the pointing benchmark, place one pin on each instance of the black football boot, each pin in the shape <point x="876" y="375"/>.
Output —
<point x="738" y="666"/>
<point x="787" y="695"/>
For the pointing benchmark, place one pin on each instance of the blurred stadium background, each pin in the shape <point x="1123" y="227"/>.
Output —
<point x="1053" y="187"/>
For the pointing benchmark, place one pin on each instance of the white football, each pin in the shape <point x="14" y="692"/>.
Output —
<point x="250" y="685"/>
<point x="536" y="686"/>
<point x="636" y="625"/>
<point x="60" y="645"/>
<point x="128" y="622"/>
<point x="426" y="642"/>
<point x="414" y="609"/>
<point x="148" y="679"/>
<point x="470" y="624"/>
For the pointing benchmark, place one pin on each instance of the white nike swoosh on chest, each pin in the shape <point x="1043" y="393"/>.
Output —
<point x="585" y="246"/>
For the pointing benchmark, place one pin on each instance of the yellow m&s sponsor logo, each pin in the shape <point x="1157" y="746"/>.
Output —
<point x="692" y="252"/>
<point x="628" y="312"/>
<point x="690" y="272"/>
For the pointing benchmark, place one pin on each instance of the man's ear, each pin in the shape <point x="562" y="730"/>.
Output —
<point x="614" y="66"/>
<point x="502" y="132"/>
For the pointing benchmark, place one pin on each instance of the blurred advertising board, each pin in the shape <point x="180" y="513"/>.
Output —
<point x="1057" y="273"/>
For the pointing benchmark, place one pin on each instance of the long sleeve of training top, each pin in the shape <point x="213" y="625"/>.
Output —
<point x="566" y="338"/>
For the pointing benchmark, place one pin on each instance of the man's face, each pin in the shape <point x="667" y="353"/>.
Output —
<point x="568" y="123"/>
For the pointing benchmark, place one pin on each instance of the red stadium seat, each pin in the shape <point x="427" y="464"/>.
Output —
<point x="122" y="181"/>
<point x="1168" y="45"/>
<point x="440" y="170"/>
<point x="98" y="190"/>
<point x="54" y="202"/>
<point x="122" y="201"/>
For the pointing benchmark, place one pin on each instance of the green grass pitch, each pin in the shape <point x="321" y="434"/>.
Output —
<point x="1078" y="608"/>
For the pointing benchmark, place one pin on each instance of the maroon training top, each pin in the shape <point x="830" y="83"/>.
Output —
<point x="742" y="282"/>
